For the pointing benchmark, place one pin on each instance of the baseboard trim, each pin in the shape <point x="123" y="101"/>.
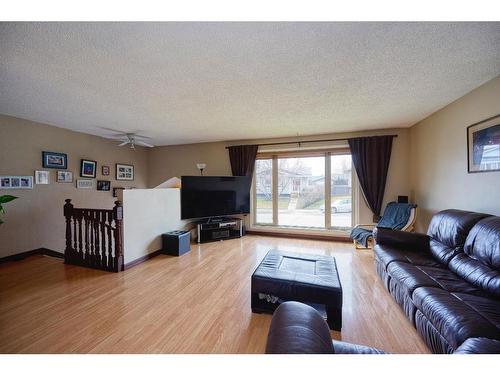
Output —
<point x="142" y="259"/>
<point x="301" y="236"/>
<point x="25" y="254"/>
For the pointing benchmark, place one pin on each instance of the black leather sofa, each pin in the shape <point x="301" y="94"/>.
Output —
<point x="447" y="281"/>
<point x="297" y="328"/>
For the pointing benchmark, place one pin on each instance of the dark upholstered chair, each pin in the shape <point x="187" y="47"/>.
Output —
<point x="297" y="328"/>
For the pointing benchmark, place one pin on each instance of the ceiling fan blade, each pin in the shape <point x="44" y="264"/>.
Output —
<point x="143" y="144"/>
<point x="124" y="143"/>
<point x="141" y="136"/>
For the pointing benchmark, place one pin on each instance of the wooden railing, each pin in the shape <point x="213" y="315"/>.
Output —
<point x="94" y="237"/>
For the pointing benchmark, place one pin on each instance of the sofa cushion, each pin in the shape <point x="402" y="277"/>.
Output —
<point x="409" y="276"/>
<point x="412" y="277"/>
<point x="448" y="230"/>
<point x="477" y="274"/>
<point x="455" y="319"/>
<point x="483" y="242"/>
<point x="479" y="264"/>
<point x="387" y="254"/>
<point x="486" y="307"/>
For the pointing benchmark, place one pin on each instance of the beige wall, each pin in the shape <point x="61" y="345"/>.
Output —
<point x="168" y="161"/>
<point x="147" y="213"/>
<point x="439" y="158"/>
<point x="429" y="163"/>
<point x="36" y="219"/>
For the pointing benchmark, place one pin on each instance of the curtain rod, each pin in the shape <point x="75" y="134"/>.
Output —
<point x="312" y="141"/>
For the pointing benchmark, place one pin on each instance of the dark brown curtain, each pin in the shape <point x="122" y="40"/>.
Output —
<point x="371" y="156"/>
<point x="243" y="159"/>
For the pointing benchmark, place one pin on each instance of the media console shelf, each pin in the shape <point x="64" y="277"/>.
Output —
<point x="222" y="229"/>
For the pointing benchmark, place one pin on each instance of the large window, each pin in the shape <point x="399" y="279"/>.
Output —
<point x="301" y="189"/>
<point x="264" y="191"/>
<point x="304" y="190"/>
<point x="341" y="192"/>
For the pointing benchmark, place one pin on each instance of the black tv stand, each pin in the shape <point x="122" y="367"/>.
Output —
<point x="220" y="228"/>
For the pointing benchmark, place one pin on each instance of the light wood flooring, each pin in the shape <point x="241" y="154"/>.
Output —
<point x="197" y="303"/>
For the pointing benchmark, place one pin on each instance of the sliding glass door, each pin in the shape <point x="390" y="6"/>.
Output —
<point x="304" y="191"/>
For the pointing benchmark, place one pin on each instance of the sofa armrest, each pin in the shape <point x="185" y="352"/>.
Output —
<point x="402" y="240"/>
<point x="342" y="347"/>
<point x="479" y="345"/>
<point x="297" y="328"/>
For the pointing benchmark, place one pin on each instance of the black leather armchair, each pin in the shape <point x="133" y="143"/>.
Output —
<point x="297" y="328"/>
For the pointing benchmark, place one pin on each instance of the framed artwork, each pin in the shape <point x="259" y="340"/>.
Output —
<point x="84" y="184"/>
<point x="105" y="170"/>
<point x="116" y="191"/>
<point x="103" y="185"/>
<point x="64" y="176"/>
<point x="483" y="146"/>
<point x="54" y="160"/>
<point x="16" y="182"/>
<point x="124" y="172"/>
<point x="42" y="177"/>
<point x="88" y="168"/>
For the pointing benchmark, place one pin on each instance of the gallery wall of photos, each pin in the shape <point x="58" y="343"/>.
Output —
<point x="86" y="177"/>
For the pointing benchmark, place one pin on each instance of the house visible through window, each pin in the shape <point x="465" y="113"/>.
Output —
<point x="292" y="191"/>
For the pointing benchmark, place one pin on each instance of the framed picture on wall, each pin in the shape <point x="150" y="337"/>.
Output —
<point x="16" y="182"/>
<point x="42" y="177"/>
<point x="88" y="168"/>
<point x="84" y="184"/>
<point x="105" y="170"/>
<point x="103" y="185"/>
<point x="64" y="176"/>
<point x="124" y="172"/>
<point x="483" y="145"/>
<point x="54" y="160"/>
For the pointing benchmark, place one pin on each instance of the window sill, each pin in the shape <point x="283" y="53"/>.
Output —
<point x="313" y="233"/>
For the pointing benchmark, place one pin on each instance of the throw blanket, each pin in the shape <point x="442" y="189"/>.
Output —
<point x="396" y="216"/>
<point x="361" y="235"/>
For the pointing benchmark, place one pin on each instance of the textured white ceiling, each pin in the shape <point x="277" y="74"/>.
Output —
<point x="199" y="82"/>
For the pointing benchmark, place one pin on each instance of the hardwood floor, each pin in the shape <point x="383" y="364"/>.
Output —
<point x="197" y="303"/>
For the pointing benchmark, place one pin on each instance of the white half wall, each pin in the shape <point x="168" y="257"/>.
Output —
<point x="147" y="213"/>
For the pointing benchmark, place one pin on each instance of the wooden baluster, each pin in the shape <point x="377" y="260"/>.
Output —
<point x="97" y="240"/>
<point x="118" y="216"/>
<point x="111" y="260"/>
<point x="75" y="245"/>
<point x="87" y="249"/>
<point x="91" y="234"/>
<point x="102" y="217"/>
<point x="80" y="239"/>
<point x="68" y="212"/>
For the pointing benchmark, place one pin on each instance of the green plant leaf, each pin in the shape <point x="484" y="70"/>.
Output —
<point x="1" y="221"/>
<point x="7" y="198"/>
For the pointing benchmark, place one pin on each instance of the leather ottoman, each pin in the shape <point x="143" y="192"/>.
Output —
<point x="284" y="276"/>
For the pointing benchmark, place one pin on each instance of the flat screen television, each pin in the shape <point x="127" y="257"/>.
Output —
<point x="208" y="196"/>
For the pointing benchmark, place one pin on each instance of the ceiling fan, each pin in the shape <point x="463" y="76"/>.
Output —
<point x="131" y="138"/>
